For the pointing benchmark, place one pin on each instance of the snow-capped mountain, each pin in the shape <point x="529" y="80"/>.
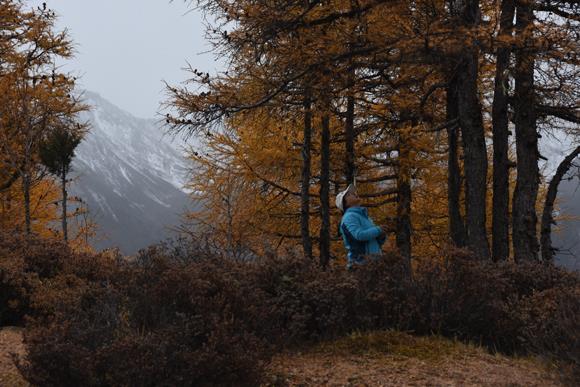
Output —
<point x="131" y="176"/>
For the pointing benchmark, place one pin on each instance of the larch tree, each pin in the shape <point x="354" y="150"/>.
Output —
<point x="34" y="96"/>
<point x="399" y="96"/>
<point x="500" y="121"/>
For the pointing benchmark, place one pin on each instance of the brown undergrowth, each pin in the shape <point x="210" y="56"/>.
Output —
<point x="184" y="316"/>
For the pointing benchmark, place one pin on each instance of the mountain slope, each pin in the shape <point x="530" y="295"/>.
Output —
<point x="130" y="175"/>
<point x="566" y="236"/>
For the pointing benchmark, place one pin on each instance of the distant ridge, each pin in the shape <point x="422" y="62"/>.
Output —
<point x="131" y="175"/>
<point x="566" y="236"/>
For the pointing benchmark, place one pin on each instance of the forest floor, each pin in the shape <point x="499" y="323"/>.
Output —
<point x="398" y="359"/>
<point x="10" y="343"/>
<point x="377" y="359"/>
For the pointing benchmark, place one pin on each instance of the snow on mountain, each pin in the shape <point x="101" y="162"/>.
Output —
<point x="131" y="175"/>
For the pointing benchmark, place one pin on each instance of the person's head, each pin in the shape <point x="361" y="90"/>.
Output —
<point x="351" y="199"/>
<point x="347" y="198"/>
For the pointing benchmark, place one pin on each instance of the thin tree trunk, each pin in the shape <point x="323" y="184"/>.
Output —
<point x="456" y="225"/>
<point x="500" y="210"/>
<point x="26" y="193"/>
<point x="528" y="177"/>
<point x="350" y="136"/>
<point x="473" y="136"/>
<point x="403" y="236"/>
<point x="64" y="199"/>
<point x="306" y="175"/>
<point x="547" y="218"/>
<point x="325" y="191"/>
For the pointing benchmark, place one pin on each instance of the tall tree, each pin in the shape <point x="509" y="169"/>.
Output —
<point x="457" y="232"/>
<point x="306" y="176"/>
<point x="34" y="95"/>
<point x="472" y="130"/>
<point x="524" y="219"/>
<point x="501" y="162"/>
<point x="349" y="131"/>
<point x="56" y="153"/>
<point x="406" y="55"/>
<point x="404" y="230"/>
<point x="325" y="190"/>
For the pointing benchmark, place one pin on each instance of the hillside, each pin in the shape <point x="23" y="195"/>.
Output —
<point x="397" y="359"/>
<point x="566" y="235"/>
<point x="131" y="176"/>
<point x="377" y="359"/>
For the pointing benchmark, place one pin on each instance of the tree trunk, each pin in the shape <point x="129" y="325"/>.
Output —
<point x="64" y="199"/>
<point x="306" y="175"/>
<point x="500" y="210"/>
<point x="456" y="225"/>
<point x="403" y="237"/>
<point x="547" y="219"/>
<point x="349" y="134"/>
<point x="473" y="136"/>
<point x="26" y="192"/>
<point x="325" y="191"/>
<point x="524" y="221"/>
<point x="475" y="156"/>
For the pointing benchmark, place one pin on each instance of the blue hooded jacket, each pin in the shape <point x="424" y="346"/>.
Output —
<point x="360" y="235"/>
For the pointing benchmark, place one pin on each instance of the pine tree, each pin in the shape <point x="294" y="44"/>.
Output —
<point x="56" y="153"/>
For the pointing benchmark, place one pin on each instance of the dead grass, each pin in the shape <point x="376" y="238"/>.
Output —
<point x="388" y="358"/>
<point x="10" y="343"/>
<point x="395" y="344"/>
<point x="397" y="359"/>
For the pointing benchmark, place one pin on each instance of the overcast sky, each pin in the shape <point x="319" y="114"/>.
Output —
<point x="126" y="48"/>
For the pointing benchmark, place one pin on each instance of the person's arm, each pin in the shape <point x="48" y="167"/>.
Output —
<point x="383" y="237"/>
<point x="353" y="225"/>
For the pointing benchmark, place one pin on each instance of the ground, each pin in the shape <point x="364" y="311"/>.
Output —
<point x="376" y="359"/>
<point x="10" y="343"/>
<point x="398" y="359"/>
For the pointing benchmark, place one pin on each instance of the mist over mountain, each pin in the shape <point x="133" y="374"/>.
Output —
<point x="566" y="234"/>
<point x="131" y="176"/>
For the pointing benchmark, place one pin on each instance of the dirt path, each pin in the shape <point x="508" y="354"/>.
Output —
<point x="10" y="342"/>
<point x="416" y="363"/>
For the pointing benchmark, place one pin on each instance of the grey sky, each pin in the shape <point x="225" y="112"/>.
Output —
<point x="126" y="48"/>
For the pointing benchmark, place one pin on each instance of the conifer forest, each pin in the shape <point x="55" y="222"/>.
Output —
<point x="440" y="114"/>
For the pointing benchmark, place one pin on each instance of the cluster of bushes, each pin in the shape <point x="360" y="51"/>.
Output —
<point x="177" y="315"/>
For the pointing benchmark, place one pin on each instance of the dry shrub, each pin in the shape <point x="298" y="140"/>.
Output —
<point x="37" y="275"/>
<point x="550" y="323"/>
<point x="298" y="301"/>
<point x="154" y="322"/>
<point x="178" y="315"/>
<point x="525" y="307"/>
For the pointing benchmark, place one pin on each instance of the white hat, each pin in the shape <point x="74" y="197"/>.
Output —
<point x="341" y="195"/>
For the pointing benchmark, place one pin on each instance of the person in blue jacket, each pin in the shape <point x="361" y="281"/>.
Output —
<point x="362" y="238"/>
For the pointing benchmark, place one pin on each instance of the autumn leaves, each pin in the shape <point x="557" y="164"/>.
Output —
<point x="38" y="102"/>
<point x="403" y="92"/>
